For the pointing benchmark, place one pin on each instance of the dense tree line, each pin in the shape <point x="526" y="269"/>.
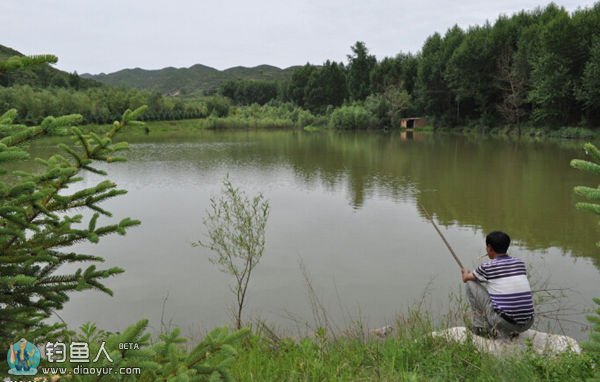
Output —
<point x="315" y="88"/>
<point x="538" y="68"/>
<point x="247" y="92"/>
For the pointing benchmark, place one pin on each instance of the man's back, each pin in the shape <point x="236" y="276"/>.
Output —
<point x="505" y="279"/>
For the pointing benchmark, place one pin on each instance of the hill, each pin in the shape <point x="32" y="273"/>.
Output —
<point x="196" y="79"/>
<point x="41" y="76"/>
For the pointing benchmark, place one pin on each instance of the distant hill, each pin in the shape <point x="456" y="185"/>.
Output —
<point x="196" y="79"/>
<point x="41" y="76"/>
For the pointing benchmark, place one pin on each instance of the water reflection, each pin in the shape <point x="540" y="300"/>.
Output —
<point x="345" y="203"/>
<point x="524" y="187"/>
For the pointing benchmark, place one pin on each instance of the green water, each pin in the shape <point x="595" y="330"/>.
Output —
<point x="345" y="206"/>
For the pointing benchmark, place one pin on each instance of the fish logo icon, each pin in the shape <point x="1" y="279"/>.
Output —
<point x="23" y="358"/>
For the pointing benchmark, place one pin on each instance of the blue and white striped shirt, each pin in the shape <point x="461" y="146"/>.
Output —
<point x="505" y="279"/>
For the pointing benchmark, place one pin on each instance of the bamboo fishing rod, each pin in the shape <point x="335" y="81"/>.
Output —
<point x="442" y="236"/>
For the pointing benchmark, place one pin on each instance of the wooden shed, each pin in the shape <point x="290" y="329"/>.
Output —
<point x="412" y="122"/>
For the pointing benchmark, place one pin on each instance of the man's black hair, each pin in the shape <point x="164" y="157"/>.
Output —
<point x="498" y="240"/>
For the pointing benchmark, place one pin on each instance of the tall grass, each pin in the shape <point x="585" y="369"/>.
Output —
<point x="411" y="354"/>
<point x="266" y="116"/>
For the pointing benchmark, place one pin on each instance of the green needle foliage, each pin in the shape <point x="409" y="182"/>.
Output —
<point x="590" y="193"/>
<point x="209" y="360"/>
<point x="20" y="62"/>
<point x="40" y="218"/>
<point x="134" y="356"/>
<point x="38" y="225"/>
<point x="593" y="195"/>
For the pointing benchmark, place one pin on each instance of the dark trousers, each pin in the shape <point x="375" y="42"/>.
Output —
<point x="484" y="315"/>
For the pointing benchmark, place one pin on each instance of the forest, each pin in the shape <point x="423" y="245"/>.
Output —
<point x="535" y="69"/>
<point x="538" y="68"/>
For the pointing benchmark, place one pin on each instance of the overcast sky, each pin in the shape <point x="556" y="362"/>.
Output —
<point x="109" y="35"/>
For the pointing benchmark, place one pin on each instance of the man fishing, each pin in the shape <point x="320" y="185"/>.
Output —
<point x="499" y="292"/>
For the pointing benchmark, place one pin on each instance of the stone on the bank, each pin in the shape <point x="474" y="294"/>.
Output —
<point x="382" y="332"/>
<point x="542" y="343"/>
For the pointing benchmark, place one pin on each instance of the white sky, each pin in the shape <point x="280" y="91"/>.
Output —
<point x="109" y="35"/>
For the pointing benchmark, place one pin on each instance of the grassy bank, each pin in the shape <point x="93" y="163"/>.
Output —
<point x="409" y="355"/>
<point x="354" y="117"/>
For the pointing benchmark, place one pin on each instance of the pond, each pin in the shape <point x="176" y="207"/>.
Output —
<point x="345" y="208"/>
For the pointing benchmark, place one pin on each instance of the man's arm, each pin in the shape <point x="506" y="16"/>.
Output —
<point x="467" y="275"/>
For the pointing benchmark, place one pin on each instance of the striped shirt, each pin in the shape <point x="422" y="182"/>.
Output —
<point x="505" y="279"/>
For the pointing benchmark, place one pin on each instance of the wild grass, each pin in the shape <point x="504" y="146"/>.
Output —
<point x="353" y="353"/>
<point x="410" y="354"/>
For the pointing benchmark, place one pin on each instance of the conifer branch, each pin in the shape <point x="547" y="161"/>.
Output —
<point x="20" y="62"/>
<point x="32" y="234"/>
<point x="592" y="346"/>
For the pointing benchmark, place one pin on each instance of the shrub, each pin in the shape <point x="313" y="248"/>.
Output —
<point x="352" y="117"/>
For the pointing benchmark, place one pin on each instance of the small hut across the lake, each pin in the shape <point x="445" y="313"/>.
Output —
<point x="412" y="122"/>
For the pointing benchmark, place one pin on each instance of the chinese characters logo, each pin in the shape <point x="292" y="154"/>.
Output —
<point x="79" y="352"/>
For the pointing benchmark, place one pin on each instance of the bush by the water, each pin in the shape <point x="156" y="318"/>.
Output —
<point x="274" y="115"/>
<point x="217" y="106"/>
<point x="352" y="117"/>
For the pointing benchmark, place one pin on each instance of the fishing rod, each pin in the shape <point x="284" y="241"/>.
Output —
<point x="442" y="236"/>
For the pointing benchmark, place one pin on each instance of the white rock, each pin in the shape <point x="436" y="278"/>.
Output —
<point x="542" y="343"/>
<point x="382" y="332"/>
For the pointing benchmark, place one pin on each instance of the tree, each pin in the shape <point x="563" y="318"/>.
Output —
<point x="589" y="92"/>
<point x="469" y="73"/>
<point x="246" y="92"/>
<point x="551" y="89"/>
<point x="386" y="73"/>
<point x="553" y="77"/>
<point x="38" y="225"/>
<point x="432" y="93"/>
<point x="389" y="106"/>
<point x="297" y="86"/>
<point x="326" y="87"/>
<point x="513" y="85"/>
<point x="236" y="233"/>
<point x="38" y="221"/>
<point x="398" y="100"/>
<point x="217" y="106"/>
<point x="360" y="65"/>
